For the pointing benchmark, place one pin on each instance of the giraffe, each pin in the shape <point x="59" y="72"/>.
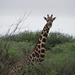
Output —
<point x="38" y="52"/>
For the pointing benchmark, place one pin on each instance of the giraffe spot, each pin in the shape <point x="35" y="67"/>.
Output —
<point x="40" y="37"/>
<point x="33" y="60"/>
<point x="33" y="55"/>
<point x="45" y="34"/>
<point x="42" y="45"/>
<point x="39" y="51"/>
<point x="39" y="42"/>
<point x="41" y="59"/>
<point x="44" y="40"/>
<point x="36" y="49"/>
<point x="37" y="54"/>
<point x="42" y="55"/>
<point x="47" y="31"/>
<point x="42" y="50"/>
<point x="39" y="46"/>
<point x="30" y="57"/>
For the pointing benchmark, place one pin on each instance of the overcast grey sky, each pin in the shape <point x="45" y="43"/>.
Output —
<point x="64" y="10"/>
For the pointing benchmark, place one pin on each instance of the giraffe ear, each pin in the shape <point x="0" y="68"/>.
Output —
<point x="54" y="18"/>
<point x="45" y="18"/>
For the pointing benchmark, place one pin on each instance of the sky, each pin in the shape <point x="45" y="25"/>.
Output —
<point x="12" y="10"/>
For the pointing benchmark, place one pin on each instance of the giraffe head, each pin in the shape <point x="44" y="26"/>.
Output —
<point x="49" y="19"/>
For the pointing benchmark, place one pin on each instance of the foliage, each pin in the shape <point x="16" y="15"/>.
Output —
<point x="52" y="73"/>
<point x="59" y="58"/>
<point x="26" y="36"/>
<point x="55" y="38"/>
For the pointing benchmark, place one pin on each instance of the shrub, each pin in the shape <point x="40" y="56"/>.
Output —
<point x="55" y="38"/>
<point x="52" y="73"/>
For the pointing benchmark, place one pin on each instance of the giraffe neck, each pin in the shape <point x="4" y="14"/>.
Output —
<point x="38" y="52"/>
<point x="44" y="33"/>
<point x="43" y="37"/>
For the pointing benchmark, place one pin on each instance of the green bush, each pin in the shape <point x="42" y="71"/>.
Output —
<point x="59" y="61"/>
<point x="55" y="38"/>
<point x="52" y="73"/>
<point x="26" y="36"/>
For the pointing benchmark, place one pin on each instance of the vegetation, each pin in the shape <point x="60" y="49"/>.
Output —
<point x="59" y="58"/>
